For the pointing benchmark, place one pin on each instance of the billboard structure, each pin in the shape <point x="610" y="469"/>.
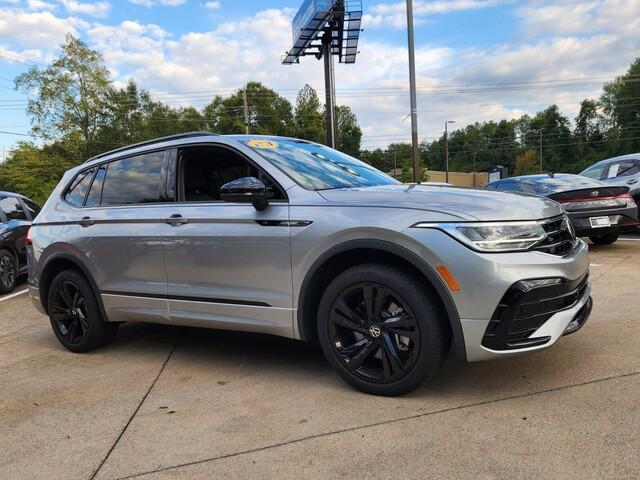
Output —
<point x="327" y="29"/>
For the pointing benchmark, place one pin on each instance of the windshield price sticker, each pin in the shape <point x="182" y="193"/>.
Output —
<point x="263" y="144"/>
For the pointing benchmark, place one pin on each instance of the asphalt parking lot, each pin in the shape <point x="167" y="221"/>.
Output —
<point x="169" y="403"/>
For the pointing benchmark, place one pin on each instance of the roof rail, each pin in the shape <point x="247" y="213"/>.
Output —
<point x="151" y="142"/>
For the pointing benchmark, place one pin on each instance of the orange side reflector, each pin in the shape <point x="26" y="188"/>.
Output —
<point x="451" y="281"/>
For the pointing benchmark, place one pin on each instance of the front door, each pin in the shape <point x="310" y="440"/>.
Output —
<point x="228" y="265"/>
<point x="18" y="224"/>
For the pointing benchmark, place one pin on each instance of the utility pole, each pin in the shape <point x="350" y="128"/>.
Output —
<point x="246" y="111"/>
<point x="329" y="88"/>
<point x="446" y="148"/>
<point x="474" y="168"/>
<point x="540" y="150"/>
<point x="413" y="94"/>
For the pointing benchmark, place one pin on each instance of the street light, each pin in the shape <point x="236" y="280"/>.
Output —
<point x="446" y="148"/>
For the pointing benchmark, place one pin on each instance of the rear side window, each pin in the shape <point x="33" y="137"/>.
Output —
<point x="78" y="189"/>
<point x="12" y="208"/>
<point x="95" y="194"/>
<point x="134" y="180"/>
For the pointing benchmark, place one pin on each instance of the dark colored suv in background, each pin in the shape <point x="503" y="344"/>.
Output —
<point x="16" y="214"/>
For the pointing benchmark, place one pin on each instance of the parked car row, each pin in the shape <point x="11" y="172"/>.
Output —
<point x="598" y="210"/>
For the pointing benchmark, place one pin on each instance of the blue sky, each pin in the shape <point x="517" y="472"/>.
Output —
<point x="176" y="47"/>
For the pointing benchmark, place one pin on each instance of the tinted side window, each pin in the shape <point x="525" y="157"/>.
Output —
<point x="33" y="209"/>
<point x="509" y="186"/>
<point x="78" y="189"/>
<point x="134" y="180"/>
<point x="95" y="194"/>
<point x="12" y="208"/>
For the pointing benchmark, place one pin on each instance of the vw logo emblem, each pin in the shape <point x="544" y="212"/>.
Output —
<point x="595" y="193"/>
<point x="374" y="331"/>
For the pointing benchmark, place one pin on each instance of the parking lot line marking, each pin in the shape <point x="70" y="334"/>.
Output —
<point x="13" y="295"/>
<point x="595" y="264"/>
<point x="629" y="239"/>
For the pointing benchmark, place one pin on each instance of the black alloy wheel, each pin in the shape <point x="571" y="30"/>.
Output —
<point x="69" y="312"/>
<point x="382" y="329"/>
<point x="8" y="272"/>
<point x="75" y="314"/>
<point x="374" y="332"/>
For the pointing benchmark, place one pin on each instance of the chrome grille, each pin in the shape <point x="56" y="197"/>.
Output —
<point x="560" y="239"/>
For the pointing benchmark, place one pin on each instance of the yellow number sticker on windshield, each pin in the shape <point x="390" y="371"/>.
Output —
<point x="262" y="143"/>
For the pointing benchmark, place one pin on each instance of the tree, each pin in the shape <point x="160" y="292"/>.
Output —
<point x="527" y="163"/>
<point x="308" y="116"/>
<point x="269" y="113"/>
<point x="348" y="132"/>
<point x="71" y="94"/>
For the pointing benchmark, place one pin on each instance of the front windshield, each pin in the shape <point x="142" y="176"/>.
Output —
<point x="594" y="172"/>
<point x="316" y="167"/>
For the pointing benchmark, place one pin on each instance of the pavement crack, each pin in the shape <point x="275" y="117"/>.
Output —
<point x="137" y="409"/>
<point x="376" y="424"/>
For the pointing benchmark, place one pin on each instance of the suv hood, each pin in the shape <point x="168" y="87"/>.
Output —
<point x="464" y="203"/>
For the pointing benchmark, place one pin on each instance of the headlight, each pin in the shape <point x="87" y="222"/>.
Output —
<point x="493" y="236"/>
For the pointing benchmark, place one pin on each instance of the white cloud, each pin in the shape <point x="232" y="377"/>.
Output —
<point x="213" y="5"/>
<point x="95" y="9"/>
<point x="151" y="3"/>
<point x="36" y="29"/>
<point x="40" y="5"/>
<point x="394" y="15"/>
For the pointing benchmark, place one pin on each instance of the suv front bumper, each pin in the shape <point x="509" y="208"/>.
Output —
<point x="486" y="279"/>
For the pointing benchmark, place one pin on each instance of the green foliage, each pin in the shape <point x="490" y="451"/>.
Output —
<point x="527" y="163"/>
<point x="78" y="113"/>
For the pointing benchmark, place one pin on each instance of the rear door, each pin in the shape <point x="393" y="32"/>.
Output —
<point x="228" y="265"/>
<point x="18" y="223"/>
<point x="122" y="219"/>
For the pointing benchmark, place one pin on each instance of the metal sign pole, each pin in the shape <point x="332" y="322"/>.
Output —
<point x="414" y="101"/>
<point x="329" y="88"/>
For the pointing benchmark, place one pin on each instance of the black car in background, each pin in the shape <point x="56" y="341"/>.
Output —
<point x="16" y="214"/>
<point x="596" y="209"/>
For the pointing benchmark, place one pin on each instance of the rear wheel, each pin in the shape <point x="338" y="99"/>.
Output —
<point x="381" y="330"/>
<point x="8" y="271"/>
<point x="75" y="315"/>
<point x="605" y="239"/>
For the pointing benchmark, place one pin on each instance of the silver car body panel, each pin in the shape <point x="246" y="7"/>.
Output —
<point x="226" y="268"/>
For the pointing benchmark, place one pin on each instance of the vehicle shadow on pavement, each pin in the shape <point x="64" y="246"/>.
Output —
<point x="219" y="354"/>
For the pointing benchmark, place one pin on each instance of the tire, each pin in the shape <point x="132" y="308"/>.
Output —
<point x="75" y="315"/>
<point x="605" y="239"/>
<point x="8" y="272"/>
<point x="393" y="346"/>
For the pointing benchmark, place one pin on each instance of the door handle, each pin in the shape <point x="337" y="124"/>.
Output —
<point x="176" y="220"/>
<point x="86" y="221"/>
<point x="632" y="181"/>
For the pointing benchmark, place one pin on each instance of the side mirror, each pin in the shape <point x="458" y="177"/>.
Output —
<point x="245" y="190"/>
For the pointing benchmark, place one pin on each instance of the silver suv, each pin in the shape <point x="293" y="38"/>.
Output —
<point x="291" y="238"/>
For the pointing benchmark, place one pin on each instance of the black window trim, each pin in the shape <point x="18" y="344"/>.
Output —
<point x="177" y="168"/>
<point x="162" y="193"/>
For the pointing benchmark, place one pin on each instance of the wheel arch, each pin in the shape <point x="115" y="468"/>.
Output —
<point x="58" y="262"/>
<point x="353" y="252"/>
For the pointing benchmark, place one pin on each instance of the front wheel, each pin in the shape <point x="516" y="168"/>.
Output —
<point x="8" y="272"/>
<point x="605" y="239"/>
<point x="381" y="330"/>
<point x="75" y="315"/>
